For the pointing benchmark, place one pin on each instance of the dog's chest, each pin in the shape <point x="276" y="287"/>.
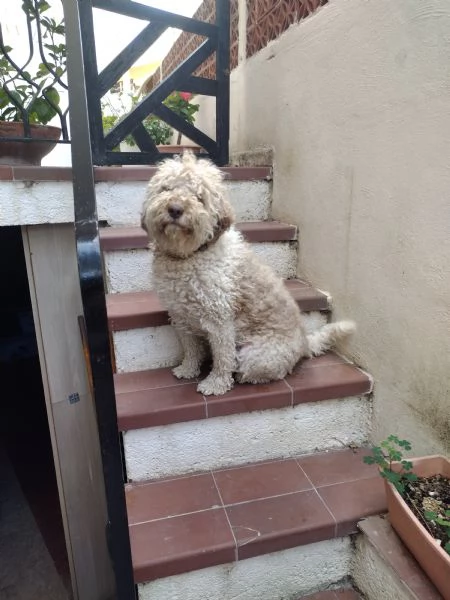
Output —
<point x="194" y="291"/>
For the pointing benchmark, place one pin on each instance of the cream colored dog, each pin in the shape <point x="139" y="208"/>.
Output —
<point x="216" y="290"/>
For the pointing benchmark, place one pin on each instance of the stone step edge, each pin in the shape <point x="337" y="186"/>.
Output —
<point x="155" y="398"/>
<point x="120" y="174"/>
<point x="135" y="238"/>
<point x="137" y="310"/>
<point x="380" y="546"/>
<point x="192" y="522"/>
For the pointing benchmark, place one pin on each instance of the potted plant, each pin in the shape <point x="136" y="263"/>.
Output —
<point x="161" y="133"/>
<point x="418" y="499"/>
<point x="30" y="98"/>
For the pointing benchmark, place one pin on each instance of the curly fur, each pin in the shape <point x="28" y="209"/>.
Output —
<point x="216" y="290"/>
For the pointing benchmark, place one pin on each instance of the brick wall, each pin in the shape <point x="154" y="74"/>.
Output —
<point x="266" y="20"/>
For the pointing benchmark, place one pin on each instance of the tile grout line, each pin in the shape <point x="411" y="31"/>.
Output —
<point x="206" y="406"/>
<point x="320" y="498"/>
<point x="153" y="389"/>
<point x="236" y="556"/>
<point x="225" y="506"/>
<point x="291" y="389"/>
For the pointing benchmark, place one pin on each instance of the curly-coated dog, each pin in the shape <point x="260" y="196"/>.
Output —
<point x="216" y="290"/>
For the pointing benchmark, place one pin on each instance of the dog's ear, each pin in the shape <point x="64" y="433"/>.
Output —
<point x="143" y="224"/>
<point x="144" y="214"/>
<point x="226" y="217"/>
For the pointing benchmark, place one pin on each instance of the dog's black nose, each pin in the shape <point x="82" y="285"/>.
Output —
<point x="175" y="211"/>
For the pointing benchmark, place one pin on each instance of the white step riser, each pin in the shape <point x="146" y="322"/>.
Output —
<point x="374" y="577"/>
<point x="147" y="348"/>
<point x="121" y="203"/>
<point x="238" y="439"/>
<point x="131" y="270"/>
<point x="285" y="575"/>
<point x="118" y="203"/>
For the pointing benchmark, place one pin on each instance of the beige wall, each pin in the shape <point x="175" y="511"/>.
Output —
<point x="356" y="104"/>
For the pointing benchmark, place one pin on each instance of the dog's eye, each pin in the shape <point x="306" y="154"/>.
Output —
<point x="165" y="188"/>
<point x="200" y="199"/>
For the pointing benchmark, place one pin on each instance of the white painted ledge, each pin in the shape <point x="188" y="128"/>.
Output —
<point x="289" y="574"/>
<point x="118" y="203"/>
<point x="238" y="439"/>
<point x="131" y="270"/>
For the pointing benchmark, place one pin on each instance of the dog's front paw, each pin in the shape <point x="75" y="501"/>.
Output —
<point x="215" y="385"/>
<point x="186" y="371"/>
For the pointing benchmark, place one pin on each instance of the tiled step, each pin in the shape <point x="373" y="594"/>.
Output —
<point x="121" y="192"/>
<point x="155" y="397"/>
<point x="143" y="309"/>
<point x="129" y="262"/>
<point x="132" y="238"/>
<point x="220" y="517"/>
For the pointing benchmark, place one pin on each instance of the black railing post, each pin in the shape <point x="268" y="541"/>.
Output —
<point x="94" y="305"/>
<point x="223" y="81"/>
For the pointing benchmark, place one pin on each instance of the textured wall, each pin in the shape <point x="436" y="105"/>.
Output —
<point x="265" y="21"/>
<point x="355" y="102"/>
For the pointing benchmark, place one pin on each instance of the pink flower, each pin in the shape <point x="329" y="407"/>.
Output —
<point x="186" y="96"/>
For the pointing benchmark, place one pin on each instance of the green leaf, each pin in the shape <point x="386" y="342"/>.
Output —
<point x="369" y="460"/>
<point x="447" y="547"/>
<point x="430" y="515"/>
<point x="52" y="94"/>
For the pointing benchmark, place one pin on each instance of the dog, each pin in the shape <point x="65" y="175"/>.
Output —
<point x="216" y="290"/>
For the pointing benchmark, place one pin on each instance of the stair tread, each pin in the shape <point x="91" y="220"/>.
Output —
<point x="145" y="172"/>
<point x="155" y="397"/>
<point x="131" y="310"/>
<point x="130" y="238"/>
<point x="200" y="520"/>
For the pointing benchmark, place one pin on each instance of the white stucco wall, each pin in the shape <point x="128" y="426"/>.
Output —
<point x="355" y="101"/>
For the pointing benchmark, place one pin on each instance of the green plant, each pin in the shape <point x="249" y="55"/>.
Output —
<point x="388" y="452"/>
<point x="159" y="131"/>
<point x="444" y="522"/>
<point x="180" y="103"/>
<point x="35" y="98"/>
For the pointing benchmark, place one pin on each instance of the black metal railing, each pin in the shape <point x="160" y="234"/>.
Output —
<point x="91" y="146"/>
<point x="35" y="97"/>
<point x="182" y="79"/>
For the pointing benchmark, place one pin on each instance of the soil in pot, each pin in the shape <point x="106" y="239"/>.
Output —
<point x="431" y="495"/>
<point x="29" y="152"/>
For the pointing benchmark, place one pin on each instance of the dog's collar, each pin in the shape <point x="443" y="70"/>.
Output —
<point x="201" y="248"/>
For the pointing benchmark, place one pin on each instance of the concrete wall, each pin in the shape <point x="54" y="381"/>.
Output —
<point x="355" y="102"/>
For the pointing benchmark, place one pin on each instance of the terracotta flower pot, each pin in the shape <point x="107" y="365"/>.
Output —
<point x="26" y="153"/>
<point x="433" y="559"/>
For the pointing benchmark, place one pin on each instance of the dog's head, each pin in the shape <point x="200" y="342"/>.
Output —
<point x="185" y="207"/>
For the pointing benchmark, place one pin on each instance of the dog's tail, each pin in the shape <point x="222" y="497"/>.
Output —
<point x="321" y="337"/>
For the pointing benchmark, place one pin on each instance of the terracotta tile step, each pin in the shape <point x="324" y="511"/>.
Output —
<point x="133" y="310"/>
<point x="153" y="398"/>
<point x="130" y="238"/>
<point x="197" y="521"/>
<point x="124" y="173"/>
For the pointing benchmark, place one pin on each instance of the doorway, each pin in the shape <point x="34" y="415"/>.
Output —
<point x="33" y="557"/>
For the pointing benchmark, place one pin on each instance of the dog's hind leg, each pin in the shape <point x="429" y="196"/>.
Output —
<point x="222" y="343"/>
<point x="193" y="355"/>
<point x="263" y="360"/>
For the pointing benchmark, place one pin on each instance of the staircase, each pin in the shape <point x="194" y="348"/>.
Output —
<point x="254" y="494"/>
